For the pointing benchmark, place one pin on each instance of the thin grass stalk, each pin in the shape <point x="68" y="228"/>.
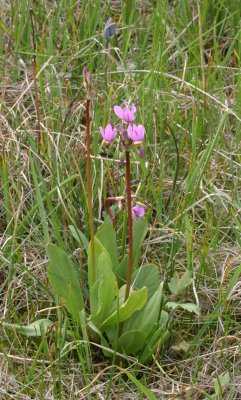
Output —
<point x="34" y="70"/>
<point x="89" y="191"/>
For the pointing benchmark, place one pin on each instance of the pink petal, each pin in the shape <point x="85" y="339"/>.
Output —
<point x="119" y="112"/>
<point x="102" y="131"/>
<point x="138" y="211"/>
<point x="140" y="132"/>
<point x="129" y="116"/>
<point x="108" y="129"/>
<point x="133" y="108"/>
<point x="130" y="132"/>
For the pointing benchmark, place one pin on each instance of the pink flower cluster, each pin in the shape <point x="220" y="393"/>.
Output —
<point x="130" y="134"/>
<point x="134" y="133"/>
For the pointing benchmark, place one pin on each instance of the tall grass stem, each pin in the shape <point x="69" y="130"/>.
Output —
<point x="89" y="190"/>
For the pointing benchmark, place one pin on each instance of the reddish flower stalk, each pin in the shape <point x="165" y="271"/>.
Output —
<point x="89" y="191"/>
<point x="130" y="237"/>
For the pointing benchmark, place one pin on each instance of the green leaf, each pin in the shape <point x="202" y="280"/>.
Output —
<point x="221" y="381"/>
<point x="104" y="342"/>
<point x="99" y="249"/>
<point x="163" y="318"/>
<point x="122" y="270"/>
<point x="148" y="315"/>
<point x="148" y="276"/>
<point x="135" y="302"/>
<point x="140" y="227"/>
<point x="103" y="292"/>
<point x="37" y="328"/>
<point x="107" y="236"/>
<point x="177" y="284"/>
<point x="159" y="334"/>
<point x="63" y="278"/>
<point x="193" y="308"/>
<point x="79" y="236"/>
<point x="131" y="342"/>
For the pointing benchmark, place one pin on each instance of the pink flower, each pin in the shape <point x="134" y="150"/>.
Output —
<point x="126" y="114"/>
<point x="136" y="133"/>
<point x="137" y="211"/>
<point x="108" y="133"/>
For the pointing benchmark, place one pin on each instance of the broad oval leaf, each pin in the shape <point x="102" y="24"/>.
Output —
<point x="144" y="319"/>
<point x="148" y="276"/>
<point x="107" y="236"/>
<point x="135" y="302"/>
<point x="140" y="227"/>
<point x="104" y="290"/>
<point x="99" y="249"/>
<point x="220" y="382"/>
<point x="63" y="278"/>
<point x="177" y="284"/>
<point x="152" y="343"/>
<point x="130" y="342"/>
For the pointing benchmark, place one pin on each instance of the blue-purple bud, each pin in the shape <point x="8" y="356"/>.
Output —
<point x="109" y="30"/>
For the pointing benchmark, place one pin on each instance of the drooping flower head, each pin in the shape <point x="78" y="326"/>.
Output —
<point x="108" y="133"/>
<point x="87" y="76"/>
<point x="109" y="30"/>
<point x="127" y="114"/>
<point x="137" y="212"/>
<point x="136" y="133"/>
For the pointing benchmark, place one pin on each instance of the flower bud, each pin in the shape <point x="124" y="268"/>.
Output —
<point x="138" y="211"/>
<point x="123" y="132"/>
<point x="87" y="77"/>
<point x="141" y="151"/>
<point x="122" y="158"/>
<point x="109" y="30"/>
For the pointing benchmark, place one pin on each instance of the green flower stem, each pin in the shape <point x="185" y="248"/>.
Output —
<point x="130" y="236"/>
<point x="89" y="191"/>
